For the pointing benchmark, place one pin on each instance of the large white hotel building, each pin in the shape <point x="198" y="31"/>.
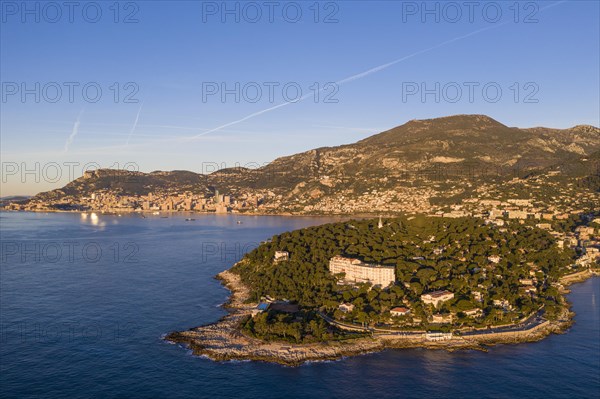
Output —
<point x="358" y="272"/>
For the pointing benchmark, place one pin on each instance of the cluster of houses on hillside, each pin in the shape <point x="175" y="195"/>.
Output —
<point x="494" y="210"/>
<point x="355" y="271"/>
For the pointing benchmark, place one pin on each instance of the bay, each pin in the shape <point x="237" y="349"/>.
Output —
<point x="84" y="302"/>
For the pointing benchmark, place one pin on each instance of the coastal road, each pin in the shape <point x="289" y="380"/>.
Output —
<point x="371" y="330"/>
<point x="531" y="322"/>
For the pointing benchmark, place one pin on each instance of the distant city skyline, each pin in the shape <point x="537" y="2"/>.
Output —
<point x="192" y="86"/>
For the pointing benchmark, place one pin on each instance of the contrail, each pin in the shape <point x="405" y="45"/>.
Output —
<point x="339" y="82"/>
<point x="246" y="118"/>
<point x="137" y="117"/>
<point x="364" y="74"/>
<point x="346" y="80"/>
<point x="73" y="132"/>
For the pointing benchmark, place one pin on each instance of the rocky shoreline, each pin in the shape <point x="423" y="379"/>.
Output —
<point x="223" y="340"/>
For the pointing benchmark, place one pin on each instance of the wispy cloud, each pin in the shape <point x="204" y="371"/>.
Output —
<point x="246" y="118"/>
<point x="73" y="132"/>
<point x="137" y="118"/>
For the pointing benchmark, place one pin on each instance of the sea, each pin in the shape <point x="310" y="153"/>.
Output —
<point x="85" y="300"/>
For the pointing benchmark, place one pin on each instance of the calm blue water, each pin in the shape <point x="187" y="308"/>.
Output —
<point x="84" y="303"/>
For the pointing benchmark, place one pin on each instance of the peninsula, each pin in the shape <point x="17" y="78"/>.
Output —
<point x="484" y="225"/>
<point x="325" y="292"/>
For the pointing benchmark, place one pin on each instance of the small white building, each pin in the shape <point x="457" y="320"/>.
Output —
<point x="502" y="303"/>
<point x="529" y="289"/>
<point x="346" y="307"/>
<point x="281" y="256"/>
<point x="438" y="336"/>
<point x="399" y="311"/>
<point x="437" y="297"/>
<point x="494" y="259"/>
<point x="496" y="214"/>
<point x="475" y="312"/>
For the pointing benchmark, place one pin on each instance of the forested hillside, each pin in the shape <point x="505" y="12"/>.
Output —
<point x="462" y="255"/>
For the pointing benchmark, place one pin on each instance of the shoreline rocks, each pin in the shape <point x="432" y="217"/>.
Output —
<point x="224" y="341"/>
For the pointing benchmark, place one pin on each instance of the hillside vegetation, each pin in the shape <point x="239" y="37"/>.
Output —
<point x="428" y="254"/>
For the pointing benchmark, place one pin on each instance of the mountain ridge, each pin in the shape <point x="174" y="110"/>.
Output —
<point x="414" y="162"/>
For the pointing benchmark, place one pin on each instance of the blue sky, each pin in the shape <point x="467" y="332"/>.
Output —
<point x="162" y="75"/>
